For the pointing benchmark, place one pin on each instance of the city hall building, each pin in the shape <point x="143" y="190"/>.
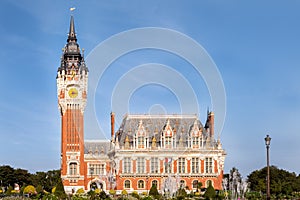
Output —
<point x="168" y="151"/>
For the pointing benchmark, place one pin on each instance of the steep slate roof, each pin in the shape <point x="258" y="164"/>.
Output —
<point x="96" y="146"/>
<point x="154" y="125"/>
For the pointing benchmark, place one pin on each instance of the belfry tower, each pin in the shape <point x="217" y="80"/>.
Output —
<point x="72" y="80"/>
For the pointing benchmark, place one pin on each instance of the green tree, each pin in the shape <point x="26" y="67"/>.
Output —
<point x="51" y="179"/>
<point x="103" y="195"/>
<point x="7" y="175"/>
<point x="154" y="192"/>
<point x="199" y="186"/>
<point x="9" y="190"/>
<point x="210" y="192"/>
<point x="181" y="193"/>
<point x="282" y="182"/>
<point x="22" y="177"/>
<point x="39" y="189"/>
<point x="60" y="191"/>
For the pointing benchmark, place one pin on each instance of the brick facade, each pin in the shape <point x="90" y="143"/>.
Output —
<point x="170" y="151"/>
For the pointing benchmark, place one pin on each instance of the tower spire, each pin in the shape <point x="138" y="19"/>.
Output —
<point x="72" y="34"/>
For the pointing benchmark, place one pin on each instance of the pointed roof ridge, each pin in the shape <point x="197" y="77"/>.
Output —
<point x="72" y="33"/>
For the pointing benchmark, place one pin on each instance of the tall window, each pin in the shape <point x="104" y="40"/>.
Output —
<point x="208" y="165"/>
<point x="181" y="165"/>
<point x="101" y="169"/>
<point x="73" y="168"/>
<point x="127" y="184"/>
<point x="140" y="165"/>
<point x="141" y="184"/>
<point x="168" y="165"/>
<point x="154" y="183"/>
<point x="195" y="142"/>
<point x="154" y="165"/>
<point x="127" y="165"/>
<point x="195" y="165"/>
<point x="168" y="142"/>
<point x="97" y="168"/>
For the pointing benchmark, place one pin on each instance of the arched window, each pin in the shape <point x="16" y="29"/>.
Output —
<point x="182" y="184"/>
<point x="127" y="184"/>
<point x="73" y="168"/>
<point x="141" y="184"/>
<point x="154" y="183"/>
<point x="195" y="183"/>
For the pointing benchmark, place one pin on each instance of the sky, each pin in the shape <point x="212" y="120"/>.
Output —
<point x="254" y="45"/>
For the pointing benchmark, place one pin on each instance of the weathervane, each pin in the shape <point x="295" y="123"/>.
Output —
<point x="72" y="9"/>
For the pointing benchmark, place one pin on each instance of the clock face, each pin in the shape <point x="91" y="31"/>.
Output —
<point x="73" y="92"/>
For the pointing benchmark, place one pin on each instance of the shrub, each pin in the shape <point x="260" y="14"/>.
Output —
<point x="112" y="192"/>
<point x="135" y="194"/>
<point x="80" y="191"/>
<point x="124" y="192"/>
<point x="210" y="192"/>
<point x="30" y="189"/>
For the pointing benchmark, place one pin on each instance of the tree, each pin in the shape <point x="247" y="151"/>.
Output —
<point x="154" y="192"/>
<point x="210" y="192"/>
<point x="22" y="177"/>
<point x="199" y="185"/>
<point x="60" y="191"/>
<point x="282" y="182"/>
<point x="7" y="175"/>
<point x="181" y="193"/>
<point x="103" y="195"/>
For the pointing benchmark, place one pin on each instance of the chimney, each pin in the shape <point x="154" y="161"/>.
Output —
<point x="211" y="124"/>
<point x="112" y="123"/>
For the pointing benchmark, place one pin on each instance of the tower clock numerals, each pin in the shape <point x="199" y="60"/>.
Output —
<point x="73" y="93"/>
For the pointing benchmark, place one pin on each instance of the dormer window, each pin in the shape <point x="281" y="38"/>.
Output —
<point x="168" y="142"/>
<point x="195" y="141"/>
<point x="141" y="140"/>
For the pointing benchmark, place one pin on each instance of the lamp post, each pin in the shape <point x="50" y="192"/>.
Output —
<point x="268" y="141"/>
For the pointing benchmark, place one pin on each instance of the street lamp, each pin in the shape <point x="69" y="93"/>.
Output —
<point x="268" y="141"/>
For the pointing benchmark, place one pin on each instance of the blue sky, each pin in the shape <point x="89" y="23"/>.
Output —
<point x="254" y="44"/>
